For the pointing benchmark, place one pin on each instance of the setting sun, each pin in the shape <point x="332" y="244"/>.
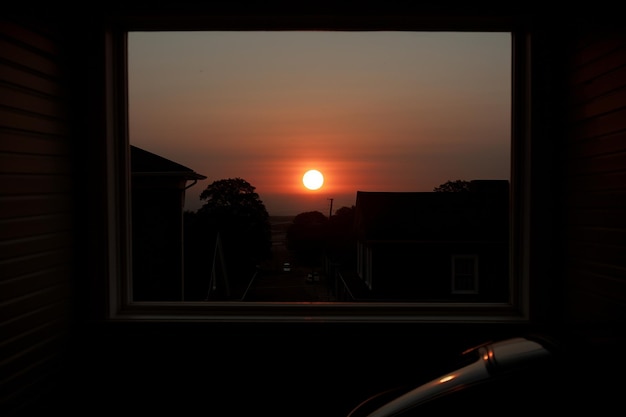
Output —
<point x="313" y="179"/>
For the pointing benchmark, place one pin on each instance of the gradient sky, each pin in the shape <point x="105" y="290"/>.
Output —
<point x="373" y="111"/>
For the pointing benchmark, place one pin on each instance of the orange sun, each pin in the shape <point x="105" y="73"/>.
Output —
<point x="313" y="179"/>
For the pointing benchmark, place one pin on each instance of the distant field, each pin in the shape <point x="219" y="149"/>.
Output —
<point x="281" y="219"/>
<point x="279" y="225"/>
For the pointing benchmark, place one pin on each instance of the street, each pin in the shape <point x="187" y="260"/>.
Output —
<point x="277" y="282"/>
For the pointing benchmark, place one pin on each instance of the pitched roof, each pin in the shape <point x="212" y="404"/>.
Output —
<point x="431" y="215"/>
<point x="143" y="162"/>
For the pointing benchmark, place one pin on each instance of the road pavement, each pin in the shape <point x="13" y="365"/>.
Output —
<point x="298" y="283"/>
<point x="288" y="286"/>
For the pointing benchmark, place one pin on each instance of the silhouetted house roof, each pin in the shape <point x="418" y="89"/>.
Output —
<point x="158" y="196"/>
<point x="409" y="244"/>
<point x="147" y="163"/>
<point x="481" y="213"/>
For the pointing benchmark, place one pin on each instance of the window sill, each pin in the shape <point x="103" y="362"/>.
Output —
<point x="319" y="312"/>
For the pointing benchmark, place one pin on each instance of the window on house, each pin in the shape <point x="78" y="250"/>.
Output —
<point x="413" y="126"/>
<point x="464" y="274"/>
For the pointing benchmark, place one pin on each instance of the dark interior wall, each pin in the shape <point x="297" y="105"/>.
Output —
<point x="303" y="369"/>
<point x="594" y="215"/>
<point x="277" y="369"/>
<point x="38" y="227"/>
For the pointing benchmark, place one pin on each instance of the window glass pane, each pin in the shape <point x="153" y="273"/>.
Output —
<point x="410" y="133"/>
<point x="464" y="274"/>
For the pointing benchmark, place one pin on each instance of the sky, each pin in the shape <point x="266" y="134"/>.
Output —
<point x="372" y="111"/>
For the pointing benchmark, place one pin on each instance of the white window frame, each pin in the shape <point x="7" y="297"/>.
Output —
<point x="456" y="275"/>
<point x="118" y="256"/>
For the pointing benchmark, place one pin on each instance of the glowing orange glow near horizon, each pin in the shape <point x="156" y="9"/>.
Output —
<point x="372" y="111"/>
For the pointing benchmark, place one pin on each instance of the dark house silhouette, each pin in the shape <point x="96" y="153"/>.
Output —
<point x="434" y="246"/>
<point x="158" y="197"/>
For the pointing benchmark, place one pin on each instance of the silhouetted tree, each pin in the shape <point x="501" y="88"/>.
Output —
<point x="342" y="222"/>
<point x="453" y="186"/>
<point x="306" y="236"/>
<point x="341" y="240"/>
<point x="314" y="218"/>
<point x="233" y="210"/>
<point x="238" y="212"/>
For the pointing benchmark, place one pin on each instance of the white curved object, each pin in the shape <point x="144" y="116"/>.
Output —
<point x="492" y="358"/>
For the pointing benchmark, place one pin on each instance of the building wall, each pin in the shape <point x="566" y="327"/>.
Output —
<point x="422" y="271"/>
<point x="157" y="221"/>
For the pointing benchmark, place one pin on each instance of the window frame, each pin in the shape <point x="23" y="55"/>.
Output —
<point x="120" y="306"/>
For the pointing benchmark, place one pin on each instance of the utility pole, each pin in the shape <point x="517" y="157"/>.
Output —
<point x="331" y="208"/>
